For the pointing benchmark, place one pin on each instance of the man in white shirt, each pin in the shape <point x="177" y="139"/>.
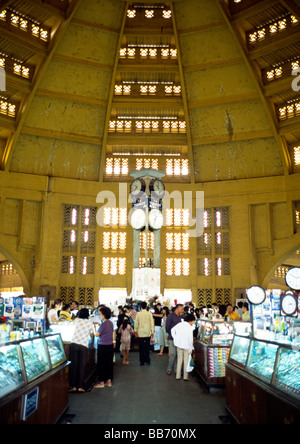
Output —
<point x="183" y="338"/>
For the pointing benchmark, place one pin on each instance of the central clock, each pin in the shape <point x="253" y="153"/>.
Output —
<point x="156" y="219"/>
<point x="137" y="188"/>
<point x="138" y="219"/>
<point x="157" y="188"/>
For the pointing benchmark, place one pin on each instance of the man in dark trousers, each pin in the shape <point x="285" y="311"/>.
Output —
<point x="172" y="320"/>
<point x="144" y="328"/>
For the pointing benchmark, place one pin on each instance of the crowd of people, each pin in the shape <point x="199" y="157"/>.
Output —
<point x="159" y="328"/>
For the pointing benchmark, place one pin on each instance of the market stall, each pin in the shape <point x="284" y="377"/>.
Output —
<point x="212" y="347"/>
<point x="34" y="380"/>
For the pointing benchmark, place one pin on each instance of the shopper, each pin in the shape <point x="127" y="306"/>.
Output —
<point x="106" y="344"/>
<point x="157" y="325"/>
<point x="53" y="312"/>
<point x="172" y="320"/>
<point x="246" y="313"/>
<point x="78" y="353"/>
<point x="125" y="331"/>
<point x="121" y="317"/>
<point x="183" y="339"/>
<point x="65" y="314"/>
<point x="239" y="310"/>
<point x="163" y="340"/>
<point x="74" y="309"/>
<point x="144" y="328"/>
<point x="231" y="315"/>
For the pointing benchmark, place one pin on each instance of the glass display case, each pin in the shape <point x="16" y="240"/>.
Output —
<point x="215" y="332"/>
<point x="56" y="350"/>
<point x="239" y="350"/>
<point x="261" y="360"/>
<point x="287" y="374"/>
<point x="35" y="358"/>
<point x="11" y="371"/>
<point x="212" y="349"/>
<point x="23" y="361"/>
<point x="276" y="364"/>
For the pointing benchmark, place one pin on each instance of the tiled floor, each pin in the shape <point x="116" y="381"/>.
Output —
<point x="146" y="395"/>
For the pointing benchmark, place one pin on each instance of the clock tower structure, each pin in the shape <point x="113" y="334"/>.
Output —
<point x="147" y="191"/>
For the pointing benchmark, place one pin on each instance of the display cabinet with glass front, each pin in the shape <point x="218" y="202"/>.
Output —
<point x="11" y="371"/>
<point x="239" y="350"/>
<point x="287" y="374"/>
<point x="262" y="358"/>
<point x="35" y="357"/>
<point x="212" y="350"/>
<point x="56" y="350"/>
<point x="215" y="332"/>
<point x="24" y="361"/>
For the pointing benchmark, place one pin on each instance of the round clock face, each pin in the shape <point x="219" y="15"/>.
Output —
<point x="156" y="219"/>
<point x="289" y="303"/>
<point x="256" y="295"/>
<point x="157" y="187"/>
<point x="138" y="219"/>
<point x="292" y="278"/>
<point x="137" y="187"/>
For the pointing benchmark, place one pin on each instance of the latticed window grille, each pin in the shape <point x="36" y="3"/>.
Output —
<point x="205" y="266"/>
<point x="87" y="265"/>
<point x="177" y="242"/>
<point x="79" y="239"/>
<point x="204" y="244"/>
<point x="223" y="296"/>
<point x="146" y="163"/>
<point x="86" y="296"/>
<point x="214" y="244"/>
<point x="69" y="264"/>
<point x="205" y="296"/>
<point x="67" y="294"/>
<point x="177" y="217"/>
<point x="222" y="266"/>
<point x="177" y="267"/>
<point x="143" y="242"/>
<point x="114" y="241"/>
<point x="114" y="266"/>
<point x="6" y="268"/>
<point x="115" y="217"/>
<point x="222" y="243"/>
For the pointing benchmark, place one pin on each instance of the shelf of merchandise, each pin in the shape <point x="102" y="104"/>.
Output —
<point x="212" y="348"/>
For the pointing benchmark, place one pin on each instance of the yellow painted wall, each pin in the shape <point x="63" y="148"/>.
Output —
<point x="57" y="156"/>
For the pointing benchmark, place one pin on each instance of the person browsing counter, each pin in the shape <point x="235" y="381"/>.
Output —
<point x="106" y="344"/>
<point x="79" y="350"/>
<point x="232" y="315"/>
<point x="172" y="320"/>
<point x="144" y="328"/>
<point x="183" y="339"/>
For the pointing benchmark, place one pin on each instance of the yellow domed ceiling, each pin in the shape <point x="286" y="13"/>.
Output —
<point x="205" y="90"/>
<point x="233" y="65"/>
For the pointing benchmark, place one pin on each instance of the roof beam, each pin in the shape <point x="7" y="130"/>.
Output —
<point x="293" y="6"/>
<point x="282" y="42"/>
<point x="252" y="10"/>
<point x="285" y="157"/>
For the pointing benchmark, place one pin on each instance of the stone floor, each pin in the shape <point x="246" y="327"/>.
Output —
<point x="146" y="395"/>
